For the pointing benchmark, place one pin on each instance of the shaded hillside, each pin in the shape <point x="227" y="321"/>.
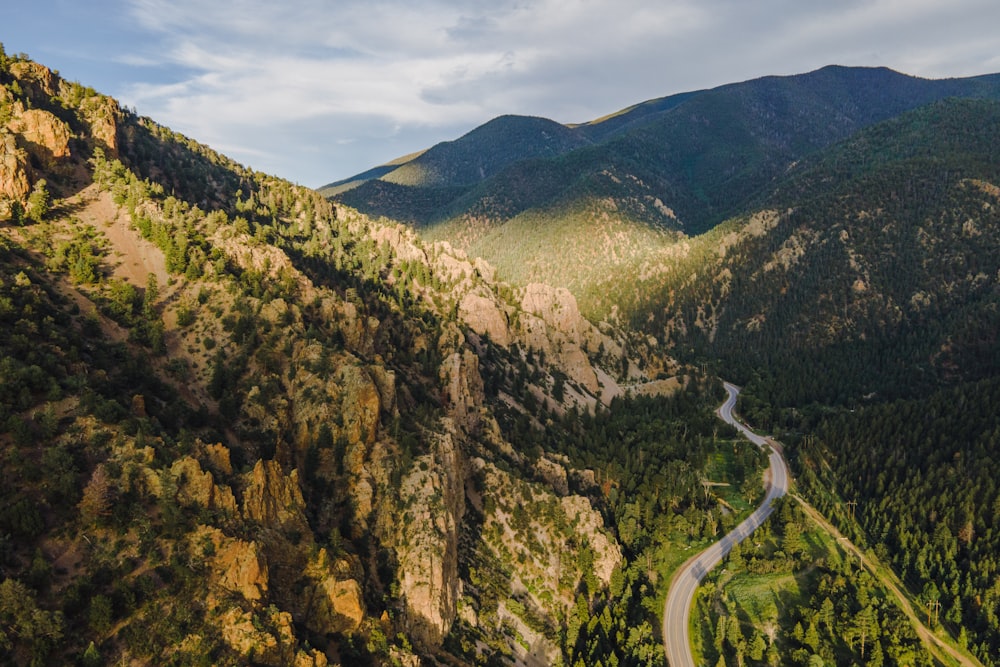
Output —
<point x="240" y="425"/>
<point x="882" y="267"/>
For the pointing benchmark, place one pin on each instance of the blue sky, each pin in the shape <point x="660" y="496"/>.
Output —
<point x="317" y="90"/>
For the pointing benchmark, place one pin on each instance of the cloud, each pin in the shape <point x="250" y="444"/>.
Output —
<point x="384" y="73"/>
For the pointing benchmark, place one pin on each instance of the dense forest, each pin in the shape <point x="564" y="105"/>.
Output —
<point x="923" y="474"/>
<point x="791" y="596"/>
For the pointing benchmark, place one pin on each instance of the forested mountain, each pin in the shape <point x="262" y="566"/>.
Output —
<point x="680" y="164"/>
<point x="877" y="260"/>
<point x="239" y="424"/>
<point x="832" y="242"/>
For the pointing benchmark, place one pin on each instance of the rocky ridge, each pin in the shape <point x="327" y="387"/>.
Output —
<point x="346" y="405"/>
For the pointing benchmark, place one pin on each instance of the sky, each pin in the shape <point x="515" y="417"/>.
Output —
<point x="318" y="90"/>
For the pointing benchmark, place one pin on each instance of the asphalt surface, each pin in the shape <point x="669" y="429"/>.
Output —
<point x="677" y="611"/>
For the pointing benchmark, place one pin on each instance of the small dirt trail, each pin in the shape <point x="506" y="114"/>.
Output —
<point x="938" y="648"/>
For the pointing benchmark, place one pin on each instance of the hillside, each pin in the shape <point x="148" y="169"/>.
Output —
<point x="831" y="242"/>
<point x="239" y="424"/>
<point x="877" y="259"/>
<point x="681" y="164"/>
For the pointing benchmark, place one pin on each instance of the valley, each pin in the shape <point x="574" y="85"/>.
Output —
<point x="462" y="409"/>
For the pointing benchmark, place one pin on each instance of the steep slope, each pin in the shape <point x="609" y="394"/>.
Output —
<point x="682" y="164"/>
<point x="238" y="424"/>
<point x="881" y="265"/>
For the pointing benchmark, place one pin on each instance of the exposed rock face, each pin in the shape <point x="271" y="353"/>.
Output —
<point x="218" y="458"/>
<point x="236" y="565"/>
<point x="273" y="498"/>
<point x="361" y="404"/>
<point x="588" y="522"/>
<point x="37" y="80"/>
<point x="427" y="541"/>
<point x="484" y="316"/>
<point x="46" y="137"/>
<point x="103" y="113"/>
<point x="197" y="487"/>
<point x="334" y="605"/>
<point x="275" y="648"/>
<point x="559" y="330"/>
<point x="242" y="569"/>
<point x="15" y="183"/>
<point x="554" y="475"/>
<point x="385" y="382"/>
<point x="400" y="239"/>
<point x="463" y="387"/>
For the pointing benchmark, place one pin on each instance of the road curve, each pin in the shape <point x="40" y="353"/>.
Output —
<point x="677" y="611"/>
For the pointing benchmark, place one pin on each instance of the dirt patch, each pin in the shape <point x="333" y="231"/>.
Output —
<point x="133" y="258"/>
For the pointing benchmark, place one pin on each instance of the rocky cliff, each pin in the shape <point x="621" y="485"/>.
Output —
<point x="293" y="422"/>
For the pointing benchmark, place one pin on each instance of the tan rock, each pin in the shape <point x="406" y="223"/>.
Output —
<point x="482" y="314"/>
<point x="554" y="475"/>
<point x="218" y="458"/>
<point x="588" y="522"/>
<point x="37" y="80"/>
<point x="242" y="569"/>
<point x="400" y="239"/>
<point x="556" y="305"/>
<point x="463" y="387"/>
<point x="274" y="499"/>
<point x="197" y="487"/>
<point x="385" y="381"/>
<point x="334" y="605"/>
<point x="15" y="181"/>
<point x="312" y="658"/>
<point x="103" y="114"/>
<point x="427" y="541"/>
<point x="361" y="404"/>
<point x="553" y="324"/>
<point x="259" y="646"/>
<point x="236" y="565"/>
<point x="45" y="136"/>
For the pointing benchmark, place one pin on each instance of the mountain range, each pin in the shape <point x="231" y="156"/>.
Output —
<point x="461" y="412"/>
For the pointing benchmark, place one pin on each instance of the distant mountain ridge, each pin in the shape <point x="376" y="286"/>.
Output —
<point x="703" y="154"/>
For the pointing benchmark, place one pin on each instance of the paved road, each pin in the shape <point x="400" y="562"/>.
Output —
<point x="677" y="611"/>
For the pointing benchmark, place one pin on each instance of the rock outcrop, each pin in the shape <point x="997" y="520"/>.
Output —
<point x="333" y="604"/>
<point x="197" y="487"/>
<point x="463" y="387"/>
<point x="274" y="499"/>
<point x="15" y="181"/>
<point x="480" y="311"/>
<point x="45" y="136"/>
<point x="587" y="521"/>
<point x="433" y="498"/>
<point x="37" y="80"/>
<point x="102" y="113"/>
<point x="556" y="327"/>
<point x="267" y="639"/>
<point x="236" y="565"/>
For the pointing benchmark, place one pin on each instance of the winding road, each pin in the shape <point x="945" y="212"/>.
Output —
<point x="677" y="611"/>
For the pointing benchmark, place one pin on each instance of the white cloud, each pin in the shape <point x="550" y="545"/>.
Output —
<point x="373" y="74"/>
